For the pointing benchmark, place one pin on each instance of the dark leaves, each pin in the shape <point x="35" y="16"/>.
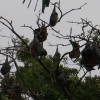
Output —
<point x="45" y="3"/>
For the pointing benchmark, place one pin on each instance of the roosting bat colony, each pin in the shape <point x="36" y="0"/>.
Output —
<point x="88" y="57"/>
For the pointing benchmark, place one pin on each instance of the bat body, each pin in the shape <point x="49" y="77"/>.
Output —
<point x="75" y="53"/>
<point x="6" y="67"/>
<point x="41" y="33"/>
<point x="15" y="93"/>
<point x="36" y="48"/>
<point x="62" y="79"/>
<point x="57" y="55"/>
<point x="53" y="17"/>
<point x="90" y="56"/>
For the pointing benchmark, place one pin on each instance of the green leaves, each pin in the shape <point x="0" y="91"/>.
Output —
<point x="45" y="3"/>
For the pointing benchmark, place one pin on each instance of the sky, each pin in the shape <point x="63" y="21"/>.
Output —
<point x="19" y="14"/>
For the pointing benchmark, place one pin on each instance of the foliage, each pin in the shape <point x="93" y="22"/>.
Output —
<point x="45" y="3"/>
<point x="47" y="77"/>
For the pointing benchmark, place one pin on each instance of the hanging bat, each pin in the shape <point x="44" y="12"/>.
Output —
<point x="57" y="55"/>
<point x="89" y="56"/>
<point x="15" y="93"/>
<point x="75" y="53"/>
<point x="42" y="33"/>
<point x="32" y="49"/>
<point x="7" y="82"/>
<point x="89" y="68"/>
<point x="53" y="17"/>
<point x="39" y="48"/>
<point x="62" y="79"/>
<point x="36" y="48"/>
<point x="13" y="96"/>
<point x="6" y="67"/>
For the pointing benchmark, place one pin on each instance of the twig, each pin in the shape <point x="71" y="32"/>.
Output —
<point x="12" y="29"/>
<point x="35" y="5"/>
<point x="77" y="84"/>
<point x="29" y="3"/>
<point x="23" y="1"/>
<point x="32" y="93"/>
<point x="71" y="11"/>
<point x="49" y="87"/>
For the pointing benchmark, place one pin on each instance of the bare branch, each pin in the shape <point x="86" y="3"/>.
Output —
<point x="12" y="29"/>
<point x="29" y="3"/>
<point x="71" y="11"/>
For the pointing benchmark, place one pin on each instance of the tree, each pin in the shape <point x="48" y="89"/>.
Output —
<point x="44" y="77"/>
<point x="45" y="3"/>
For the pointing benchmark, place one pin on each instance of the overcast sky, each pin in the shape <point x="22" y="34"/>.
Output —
<point x="19" y="14"/>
